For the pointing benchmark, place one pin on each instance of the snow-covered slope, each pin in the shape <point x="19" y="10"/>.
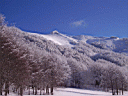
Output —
<point x="107" y="48"/>
<point x="115" y="44"/>
<point x="60" y="39"/>
<point x="83" y="49"/>
<point x="89" y="46"/>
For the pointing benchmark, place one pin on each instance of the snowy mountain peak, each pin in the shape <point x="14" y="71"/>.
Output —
<point x="60" y="39"/>
<point x="55" y="32"/>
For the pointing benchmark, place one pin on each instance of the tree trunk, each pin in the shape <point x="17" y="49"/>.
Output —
<point x="117" y="91"/>
<point x="5" y="92"/>
<point x="47" y="90"/>
<point x="51" y="90"/>
<point x="29" y="90"/>
<point x="21" y="91"/>
<point x="35" y="91"/>
<point x="116" y="88"/>
<point x="0" y="89"/>
<point x="6" y="88"/>
<point x="122" y="89"/>
<point x="112" y="89"/>
<point x="18" y="91"/>
<point x="1" y="85"/>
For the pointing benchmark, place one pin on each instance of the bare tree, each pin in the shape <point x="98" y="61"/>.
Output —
<point x="113" y="78"/>
<point x="14" y="62"/>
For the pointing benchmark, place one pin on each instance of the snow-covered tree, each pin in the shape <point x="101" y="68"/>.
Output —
<point x="13" y="61"/>
<point x="2" y="19"/>
<point x="55" y="70"/>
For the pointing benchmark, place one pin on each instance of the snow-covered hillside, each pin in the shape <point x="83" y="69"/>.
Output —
<point x="115" y="44"/>
<point x="76" y="61"/>
<point x="60" y="39"/>
<point x="112" y="49"/>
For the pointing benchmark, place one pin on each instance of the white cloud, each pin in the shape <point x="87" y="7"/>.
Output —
<point x="78" y="23"/>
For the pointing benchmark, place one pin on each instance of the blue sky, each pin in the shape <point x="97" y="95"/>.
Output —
<point x="71" y="17"/>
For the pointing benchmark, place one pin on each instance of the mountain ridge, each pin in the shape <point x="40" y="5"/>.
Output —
<point x="109" y="43"/>
<point x="88" y="45"/>
<point x="80" y="50"/>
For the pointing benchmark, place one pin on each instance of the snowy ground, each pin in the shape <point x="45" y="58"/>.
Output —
<point x="76" y="92"/>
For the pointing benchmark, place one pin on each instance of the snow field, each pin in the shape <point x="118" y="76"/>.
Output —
<point x="75" y="92"/>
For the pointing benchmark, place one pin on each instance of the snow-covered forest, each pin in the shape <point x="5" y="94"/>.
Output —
<point x="30" y="61"/>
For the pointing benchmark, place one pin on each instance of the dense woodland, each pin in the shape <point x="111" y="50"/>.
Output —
<point x="29" y="61"/>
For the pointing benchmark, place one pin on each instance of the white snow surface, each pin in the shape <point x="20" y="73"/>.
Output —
<point x="76" y="92"/>
<point x="59" y="38"/>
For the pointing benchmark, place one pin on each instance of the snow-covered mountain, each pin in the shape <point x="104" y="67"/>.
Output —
<point x="83" y="48"/>
<point x="84" y="60"/>
<point x="119" y="45"/>
<point x="61" y="39"/>
<point x="112" y="49"/>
